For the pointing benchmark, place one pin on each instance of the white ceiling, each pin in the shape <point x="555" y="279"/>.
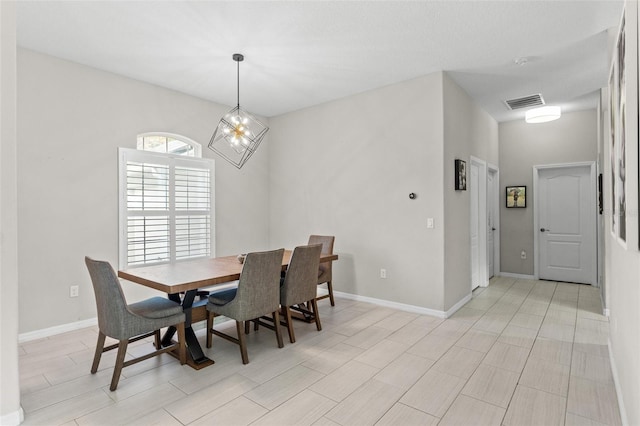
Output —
<point x="303" y="53"/>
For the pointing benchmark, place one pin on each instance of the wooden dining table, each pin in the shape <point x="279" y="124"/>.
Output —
<point x="182" y="280"/>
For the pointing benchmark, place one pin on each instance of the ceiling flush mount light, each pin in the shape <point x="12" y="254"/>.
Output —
<point x="542" y="114"/>
<point x="238" y="134"/>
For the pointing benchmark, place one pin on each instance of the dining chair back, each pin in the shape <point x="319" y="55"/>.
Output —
<point x="257" y="294"/>
<point x="129" y="323"/>
<point x="324" y="271"/>
<point x="299" y="286"/>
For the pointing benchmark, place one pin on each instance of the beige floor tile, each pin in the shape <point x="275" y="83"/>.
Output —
<point x="427" y="322"/>
<point x="157" y="418"/>
<point x="592" y="332"/>
<point x="482" y="304"/>
<point x="396" y="320"/>
<point x="493" y="323"/>
<point x="561" y="316"/>
<point x="433" y="393"/>
<point x="477" y="340"/>
<point x="534" y="307"/>
<point x="552" y="350"/>
<point x="468" y="314"/>
<point x="492" y="385"/>
<point x="368" y="337"/>
<point x="452" y="328"/>
<point x="131" y="409"/>
<point x="54" y="394"/>
<point x="279" y="389"/>
<point x="470" y="411"/>
<point x="592" y="367"/>
<point x="69" y="409"/>
<point x="518" y="336"/>
<point x="323" y="421"/>
<point x="33" y="384"/>
<point x="546" y="376"/>
<point x="401" y="414"/>
<point x="340" y="383"/>
<point x="409" y="334"/>
<point x="210" y="398"/>
<point x="575" y="420"/>
<point x="432" y="346"/>
<point x="240" y="411"/>
<point x="306" y="408"/>
<point x="327" y="361"/>
<point x="404" y="371"/>
<point x="527" y="321"/>
<point x="534" y="407"/>
<point x="503" y="307"/>
<point x="554" y="330"/>
<point x="459" y="362"/>
<point x="508" y="357"/>
<point x="366" y="405"/>
<point x="593" y="400"/>
<point x="382" y="354"/>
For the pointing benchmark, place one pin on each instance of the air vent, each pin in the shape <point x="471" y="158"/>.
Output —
<point x="525" y="102"/>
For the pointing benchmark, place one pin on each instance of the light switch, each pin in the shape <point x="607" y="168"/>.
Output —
<point x="429" y="222"/>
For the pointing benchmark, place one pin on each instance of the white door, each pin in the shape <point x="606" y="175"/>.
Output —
<point x="491" y="223"/>
<point x="474" y="185"/>
<point x="567" y="224"/>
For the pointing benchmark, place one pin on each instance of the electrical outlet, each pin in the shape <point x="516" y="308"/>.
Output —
<point x="383" y="273"/>
<point x="523" y="255"/>
<point x="74" y="291"/>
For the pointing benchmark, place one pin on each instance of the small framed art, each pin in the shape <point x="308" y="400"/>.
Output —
<point x="461" y="175"/>
<point x="516" y="197"/>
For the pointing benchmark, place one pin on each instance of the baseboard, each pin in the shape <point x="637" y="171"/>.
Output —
<point x="403" y="306"/>
<point x="52" y="331"/>
<point x="521" y="276"/>
<point x="12" y="419"/>
<point x="616" y="382"/>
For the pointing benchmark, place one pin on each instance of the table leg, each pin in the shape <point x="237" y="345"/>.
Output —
<point x="195" y="356"/>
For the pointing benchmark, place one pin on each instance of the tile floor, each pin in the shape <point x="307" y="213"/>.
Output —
<point x="519" y="353"/>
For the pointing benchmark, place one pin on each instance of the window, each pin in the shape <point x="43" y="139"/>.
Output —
<point x="166" y="202"/>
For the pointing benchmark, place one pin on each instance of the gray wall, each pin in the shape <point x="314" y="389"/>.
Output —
<point x="346" y="168"/>
<point x="468" y="131"/>
<point x="10" y="411"/>
<point x="572" y="138"/>
<point x="622" y="270"/>
<point x="71" y="121"/>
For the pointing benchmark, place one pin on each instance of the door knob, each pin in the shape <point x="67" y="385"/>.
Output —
<point x="493" y="229"/>
<point x="544" y="230"/>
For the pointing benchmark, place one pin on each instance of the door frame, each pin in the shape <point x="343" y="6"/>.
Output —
<point x="592" y="211"/>
<point x="482" y="222"/>
<point x="495" y="205"/>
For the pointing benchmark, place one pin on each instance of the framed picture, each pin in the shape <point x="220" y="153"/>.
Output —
<point x="516" y="197"/>
<point x="461" y="175"/>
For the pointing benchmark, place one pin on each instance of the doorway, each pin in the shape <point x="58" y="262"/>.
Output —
<point x="493" y="222"/>
<point x="565" y="222"/>
<point x="478" y="222"/>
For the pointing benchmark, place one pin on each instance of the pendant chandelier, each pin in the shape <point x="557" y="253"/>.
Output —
<point x="238" y="134"/>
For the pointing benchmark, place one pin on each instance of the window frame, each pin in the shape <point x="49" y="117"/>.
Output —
<point x="173" y="161"/>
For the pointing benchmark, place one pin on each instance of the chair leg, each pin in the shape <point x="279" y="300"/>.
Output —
<point x="287" y="317"/>
<point x="242" y="342"/>
<point x="276" y="324"/>
<point x="209" y="328"/>
<point x="122" y="351"/>
<point x="98" y="354"/>
<point x="158" y="345"/>
<point x="330" y="288"/>
<point x="316" y="314"/>
<point x="247" y="325"/>
<point x="182" y="346"/>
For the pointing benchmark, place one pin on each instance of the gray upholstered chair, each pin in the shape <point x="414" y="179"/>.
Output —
<point x="324" y="272"/>
<point x="300" y="285"/>
<point x="128" y="323"/>
<point x="257" y="294"/>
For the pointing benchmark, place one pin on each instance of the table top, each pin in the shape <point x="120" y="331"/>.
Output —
<point x="193" y="274"/>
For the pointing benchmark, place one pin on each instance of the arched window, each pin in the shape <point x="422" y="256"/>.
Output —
<point x="166" y="201"/>
<point x="169" y="143"/>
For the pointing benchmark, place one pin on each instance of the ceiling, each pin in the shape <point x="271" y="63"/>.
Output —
<point x="303" y="53"/>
